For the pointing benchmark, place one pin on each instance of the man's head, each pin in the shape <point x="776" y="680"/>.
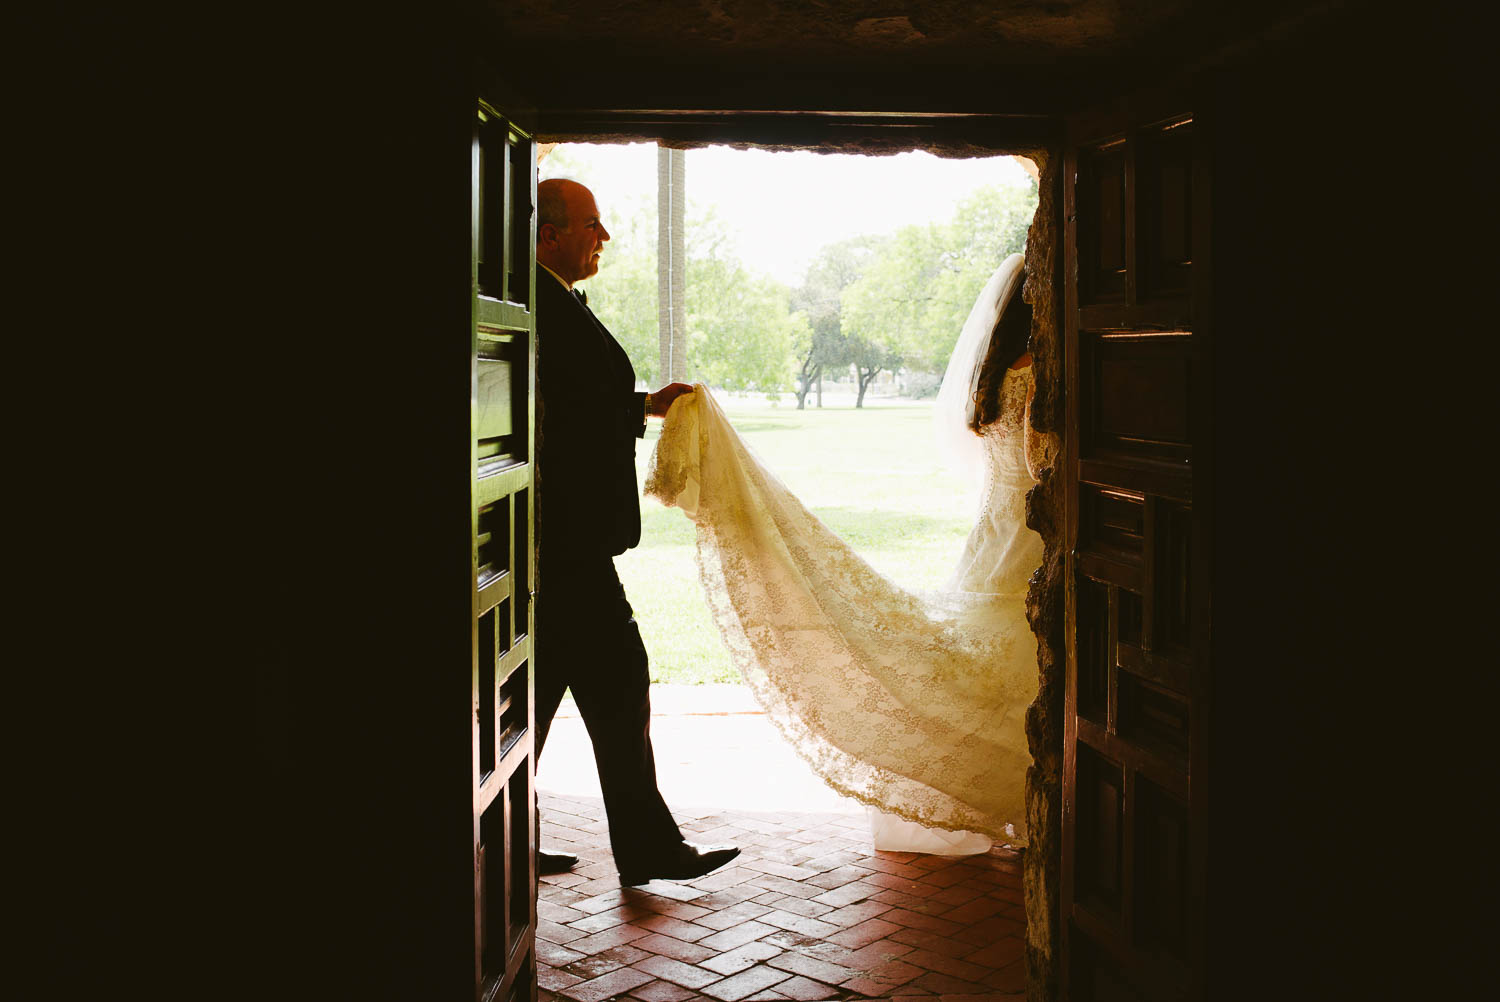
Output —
<point x="569" y="233"/>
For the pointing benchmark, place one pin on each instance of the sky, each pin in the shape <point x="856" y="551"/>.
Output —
<point x="783" y="207"/>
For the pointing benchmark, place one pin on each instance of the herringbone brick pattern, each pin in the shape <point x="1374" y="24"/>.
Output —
<point x="807" y="911"/>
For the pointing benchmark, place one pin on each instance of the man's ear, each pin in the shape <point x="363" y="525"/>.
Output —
<point x="546" y="233"/>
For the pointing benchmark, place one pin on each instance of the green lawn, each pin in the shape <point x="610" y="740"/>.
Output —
<point x="872" y="475"/>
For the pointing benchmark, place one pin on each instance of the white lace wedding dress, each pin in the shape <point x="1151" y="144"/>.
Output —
<point x="914" y="704"/>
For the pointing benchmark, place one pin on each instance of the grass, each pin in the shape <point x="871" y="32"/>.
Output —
<point x="872" y="475"/>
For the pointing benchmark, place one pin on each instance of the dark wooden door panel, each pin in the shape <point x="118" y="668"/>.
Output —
<point x="1137" y="428"/>
<point x="504" y="188"/>
<point x="1136" y="407"/>
<point x="1104" y="251"/>
<point x="1165" y="171"/>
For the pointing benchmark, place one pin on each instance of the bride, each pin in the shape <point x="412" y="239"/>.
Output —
<point x="913" y="704"/>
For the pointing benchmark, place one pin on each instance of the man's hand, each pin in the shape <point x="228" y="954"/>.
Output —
<point x="660" y="401"/>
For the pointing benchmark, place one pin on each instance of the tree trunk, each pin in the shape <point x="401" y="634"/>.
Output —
<point x="810" y="374"/>
<point x="864" y="379"/>
<point x="671" y="264"/>
<point x="820" y="389"/>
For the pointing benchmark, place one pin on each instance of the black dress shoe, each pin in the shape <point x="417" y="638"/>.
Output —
<point x="554" y="862"/>
<point x="686" y="862"/>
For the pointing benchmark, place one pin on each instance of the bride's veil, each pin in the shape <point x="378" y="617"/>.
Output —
<point x="956" y="441"/>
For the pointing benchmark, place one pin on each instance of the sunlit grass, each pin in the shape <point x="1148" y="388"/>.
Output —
<point x="871" y="475"/>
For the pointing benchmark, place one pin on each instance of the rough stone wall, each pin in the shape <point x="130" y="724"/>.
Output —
<point x="784" y="137"/>
<point x="1046" y="513"/>
<point x="839" y="35"/>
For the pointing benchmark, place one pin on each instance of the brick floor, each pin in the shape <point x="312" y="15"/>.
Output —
<point x="809" y="911"/>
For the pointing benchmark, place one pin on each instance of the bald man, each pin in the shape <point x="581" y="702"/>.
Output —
<point x="588" y="512"/>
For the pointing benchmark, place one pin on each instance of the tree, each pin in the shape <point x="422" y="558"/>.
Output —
<point x="741" y="326"/>
<point x="871" y="357"/>
<point x="824" y="346"/>
<point x="883" y="311"/>
<point x="988" y="226"/>
<point x="812" y="352"/>
<point x="910" y="302"/>
<point x="623" y="294"/>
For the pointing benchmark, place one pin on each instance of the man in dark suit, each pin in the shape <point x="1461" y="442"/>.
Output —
<point x="590" y="417"/>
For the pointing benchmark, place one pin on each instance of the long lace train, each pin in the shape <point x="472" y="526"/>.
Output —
<point x="914" y="704"/>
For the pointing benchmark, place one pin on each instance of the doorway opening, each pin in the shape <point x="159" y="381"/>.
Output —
<point x="799" y="915"/>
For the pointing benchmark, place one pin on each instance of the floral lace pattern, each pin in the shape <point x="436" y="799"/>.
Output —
<point x="914" y="704"/>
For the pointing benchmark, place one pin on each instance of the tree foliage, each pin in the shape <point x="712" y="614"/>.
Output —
<point x="877" y="303"/>
<point x="740" y="325"/>
<point x="823" y="346"/>
<point x="885" y="310"/>
<point x="989" y="226"/>
<point x="909" y="305"/>
<point x="623" y="294"/>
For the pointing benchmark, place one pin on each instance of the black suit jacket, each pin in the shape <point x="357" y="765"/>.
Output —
<point x="590" y="417"/>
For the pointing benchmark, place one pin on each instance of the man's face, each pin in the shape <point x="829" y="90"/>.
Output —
<point x="579" y="245"/>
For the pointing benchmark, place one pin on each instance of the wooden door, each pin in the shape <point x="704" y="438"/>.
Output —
<point x="504" y="245"/>
<point x="1137" y="713"/>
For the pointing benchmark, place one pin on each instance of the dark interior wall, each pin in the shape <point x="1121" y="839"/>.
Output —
<point x="1333" y="299"/>
<point x="355" y="515"/>
<point x="258" y="775"/>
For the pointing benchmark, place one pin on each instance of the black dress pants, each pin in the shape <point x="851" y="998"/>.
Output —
<point x="587" y="641"/>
